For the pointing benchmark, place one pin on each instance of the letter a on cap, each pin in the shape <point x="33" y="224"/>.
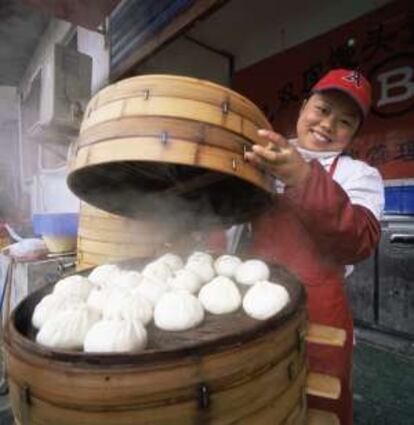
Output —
<point x="351" y="82"/>
<point x="354" y="77"/>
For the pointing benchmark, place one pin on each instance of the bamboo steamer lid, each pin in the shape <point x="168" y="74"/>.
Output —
<point x="158" y="144"/>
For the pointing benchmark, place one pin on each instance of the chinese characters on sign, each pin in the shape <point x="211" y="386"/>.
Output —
<point x="381" y="46"/>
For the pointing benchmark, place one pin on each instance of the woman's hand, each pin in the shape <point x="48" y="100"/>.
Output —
<point x="280" y="158"/>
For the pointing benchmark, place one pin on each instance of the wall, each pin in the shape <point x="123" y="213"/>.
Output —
<point x="254" y="30"/>
<point x="9" y="174"/>
<point x="251" y="31"/>
<point x="8" y="104"/>
<point x="94" y="44"/>
<point x="184" y="57"/>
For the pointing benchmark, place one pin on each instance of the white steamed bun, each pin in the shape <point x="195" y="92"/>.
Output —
<point x="220" y="296"/>
<point x="102" y="275"/>
<point x="152" y="290"/>
<point x="50" y="305"/>
<point x="173" y="261"/>
<point x="252" y="271"/>
<point x="67" y="329"/>
<point x="127" y="279"/>
<point x="226" y="265"/>
<point x="128" y="305"/>
<point x="74" y="285"/>
<point x="99" y="298"/>
<point x="115" y="335"/>
<point x="265" y="299"/>
<point x="202" y="264"/>
<point x="199" y="256"/>
<point x="157" y="270"/>
<point x="178" y="311"/>
<point x="187" y="280"/>
<point x="205" y="271"/>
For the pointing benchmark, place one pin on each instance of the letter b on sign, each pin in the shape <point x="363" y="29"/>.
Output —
<point x="396" y="86"/>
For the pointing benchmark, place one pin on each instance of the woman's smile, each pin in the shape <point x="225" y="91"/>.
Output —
<point x="320" y="137"/>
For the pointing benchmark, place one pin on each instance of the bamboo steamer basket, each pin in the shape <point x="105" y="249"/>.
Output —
<point x="4" y="241"/>
<point x="109" y="238"/>
<point x="158" y="144"/>
<point x="231" y="369"/>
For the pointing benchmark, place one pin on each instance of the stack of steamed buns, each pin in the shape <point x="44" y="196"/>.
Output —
<point x="108" y="311"/>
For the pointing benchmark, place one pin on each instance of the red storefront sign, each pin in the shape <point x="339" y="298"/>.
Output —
<point x="381" y="45"/>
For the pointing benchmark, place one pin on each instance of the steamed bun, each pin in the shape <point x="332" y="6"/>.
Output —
<point x="67" y="329"/>
<point x="50" y="305"/>
<point x="220" y="296"/>
<point x="178" y="311"/>
<point x="204" y="271"/>
<point x="157" y="270"/>
<point x="226" y="265"/>
<point x="187" y="280"/>
<point x="128" y="305"/>
<point x="74" y="285"/>
<point x="152" y="290"/>
<point x="115" y="335"/>
<point x="202" y="264"/>
<point x="123" y="281"/>
<point x="103" y="275"/>
<point x="128" y="279"/>
<point x="265" y="299"/>
<point x="252" y="271"/>
<point x="99" y="298"/>
<point x="173" y="261"/>
<point x="199" y="256"/>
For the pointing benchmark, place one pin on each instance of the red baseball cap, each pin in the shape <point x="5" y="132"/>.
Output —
<point x="353" y="83"/>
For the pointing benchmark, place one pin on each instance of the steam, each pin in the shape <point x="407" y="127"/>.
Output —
<point x="187" y="222"/>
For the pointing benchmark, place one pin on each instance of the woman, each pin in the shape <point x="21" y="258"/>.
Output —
<point x="327" y="214"/>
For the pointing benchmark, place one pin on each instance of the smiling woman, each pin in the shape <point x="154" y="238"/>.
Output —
<point x="325" y="215"/>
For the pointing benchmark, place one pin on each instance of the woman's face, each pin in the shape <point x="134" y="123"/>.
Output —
<point x="327" y="121"/>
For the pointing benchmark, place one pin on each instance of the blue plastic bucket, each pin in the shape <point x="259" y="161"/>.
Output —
<point x="56" y="224"/>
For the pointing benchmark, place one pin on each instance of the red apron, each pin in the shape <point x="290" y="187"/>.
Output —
<point x="314" y="230"/>
<point x="280" y="237"/>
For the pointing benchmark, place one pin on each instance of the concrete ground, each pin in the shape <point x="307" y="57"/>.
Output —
<point x="383" y="382"/>
<point x="6" y="416"/>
